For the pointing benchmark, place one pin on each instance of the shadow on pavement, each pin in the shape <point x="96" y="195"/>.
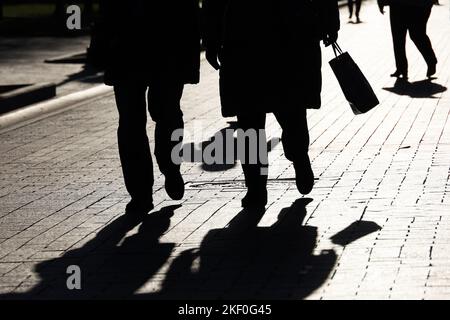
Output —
<point x="218" y="143"/>
<point x="112" y="266"/>
<point x="419" y="89"/>
<point x="354" y="232"/>
<point x="88" y="74"/>
<point x="240" y="261"/>
<point x="245" y="261"/>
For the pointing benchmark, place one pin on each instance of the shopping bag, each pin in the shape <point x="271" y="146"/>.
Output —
<point x="357" y="90"/>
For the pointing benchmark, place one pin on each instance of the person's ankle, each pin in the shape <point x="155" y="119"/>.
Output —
<point x="174" y="184"/>
<point x="256" y="198"/>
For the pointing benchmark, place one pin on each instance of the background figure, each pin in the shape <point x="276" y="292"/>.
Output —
<point x="410" y="16"/>
<point x="153" y="50"/>
<point x="270" y="62"/>
<point x="357" y="4"/>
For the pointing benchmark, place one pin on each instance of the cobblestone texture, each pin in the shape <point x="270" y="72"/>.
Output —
<point x="376" y="226"/>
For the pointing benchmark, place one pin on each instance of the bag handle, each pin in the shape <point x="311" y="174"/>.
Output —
<point x="336" y="49"/>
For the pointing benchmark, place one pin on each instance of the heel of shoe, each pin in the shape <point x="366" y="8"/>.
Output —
<point x="431" y="70"/>
<point x="400" y="74"/>
<point x="255" y="200"/>
<point x="304" y="176"/>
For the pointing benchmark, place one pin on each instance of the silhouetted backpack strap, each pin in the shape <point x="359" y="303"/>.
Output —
<point x="355" y="86"/>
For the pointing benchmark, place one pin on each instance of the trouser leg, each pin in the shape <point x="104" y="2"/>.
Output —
<point x="254" y="153"/>
<point x="418" y="33"/>
<point x="350" y="7"/>
<point x="295" y="135"/>
<point x="165" y="110"/>
<point x="399" y="30"/>
<point x="358" y="7"/>
<point x="134" y="149"/>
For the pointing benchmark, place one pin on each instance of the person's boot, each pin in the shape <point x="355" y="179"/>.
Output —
<point x="139" y="206"/>
<point x="255" y="199"/>
<point x="174" y="184"/>
<point x="400" y="74"/>
<point x="256" y="183"/>
<point x="304" y="176"/>
<point x="431" y="70"/>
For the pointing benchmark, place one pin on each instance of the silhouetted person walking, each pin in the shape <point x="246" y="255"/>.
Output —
<point x="269" y="56"/>
<point x="154" y="50"/>
<point x="410" y="16"/>
<point x="357" y="5"/>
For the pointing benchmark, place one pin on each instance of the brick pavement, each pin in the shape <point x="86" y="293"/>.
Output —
<point x="375" y="227"/>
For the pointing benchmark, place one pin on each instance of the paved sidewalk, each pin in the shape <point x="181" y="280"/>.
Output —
<point x="22" y="61"/>
<point x="376" y="226"/>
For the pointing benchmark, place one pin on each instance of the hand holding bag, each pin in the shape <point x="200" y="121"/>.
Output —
<point x="356" y="88"/>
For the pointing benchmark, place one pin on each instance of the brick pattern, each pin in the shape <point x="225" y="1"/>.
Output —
<point x="376" y="228"/>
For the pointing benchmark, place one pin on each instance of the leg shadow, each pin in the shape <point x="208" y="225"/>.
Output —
<point x="244" y="261"/>
<point x="419" y="89"/>
<point x="112" y="265"/>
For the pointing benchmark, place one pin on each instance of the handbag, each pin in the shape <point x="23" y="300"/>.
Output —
<point x="357" y="90"/>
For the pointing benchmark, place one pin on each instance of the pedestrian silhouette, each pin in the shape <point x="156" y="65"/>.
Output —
<point x="410" y="16"/>
<point x="356" y="4"/>
<point x="153" y="51"/>
<point x="269" y="56"/>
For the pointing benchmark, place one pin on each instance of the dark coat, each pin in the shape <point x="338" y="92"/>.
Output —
<point x="269" y="51"/>
<point x="152" y="41"/>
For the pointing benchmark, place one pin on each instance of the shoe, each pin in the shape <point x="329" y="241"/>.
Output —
<point x="255" y="200"/>
<point x="174" y="185"/>
<point x="358" y="20"/>
<point x="400" y="74"/>
<point x="139" y="207"/>
<point x="304" y="176"/>
<point x="431" y="70"/>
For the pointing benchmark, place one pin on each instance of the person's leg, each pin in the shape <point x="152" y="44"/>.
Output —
<point x="358" y="9"/>
<point x="251" y="135"/>
<point x="165" y="109"/>
<point x="418" y="33"/>
<point x="295" y="139"/>
<point x="350" y="8"/>
<point x="134" y="149"/>
<point x="399" y="31"/>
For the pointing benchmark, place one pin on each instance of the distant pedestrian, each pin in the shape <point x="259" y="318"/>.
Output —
<point x="357" y="5"/>
<point x="269" y="56"/>
<point x="410" y="16"/>
<point x="153" y="51"/>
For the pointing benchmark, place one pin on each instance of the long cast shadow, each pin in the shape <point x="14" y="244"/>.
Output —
<point x="245" y="261"/>
<point x="241" y="261"/>
<point x="111" y="265"/>
<point x="418" y="89"/>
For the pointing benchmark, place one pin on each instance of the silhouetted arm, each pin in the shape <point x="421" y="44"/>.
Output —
<point x="214" y="13"/>
<point x="381" y="5"/>
<point x="331" y="21"/>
